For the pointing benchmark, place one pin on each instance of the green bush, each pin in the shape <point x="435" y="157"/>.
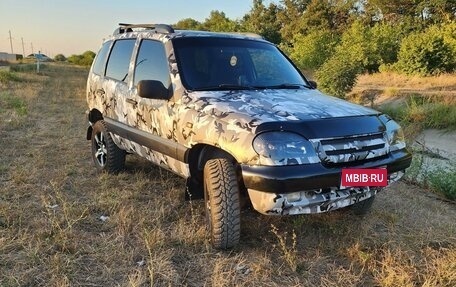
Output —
<point x="426" y="53"/>
<point x="338" y="75"/>
<point x="60" y="58"/>
<point x="353" y="55"/>
<point x="85" y="59"/>
<point x="6" y="77"/>
<point x="312" y="50"/>
<point x="444" y="181"/>
<point x="387" y="39"/>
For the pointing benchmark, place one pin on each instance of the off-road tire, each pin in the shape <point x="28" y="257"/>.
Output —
<point x="106" y="155"/>
<point x="363" y="207"/>
<point x="221" y="195"/>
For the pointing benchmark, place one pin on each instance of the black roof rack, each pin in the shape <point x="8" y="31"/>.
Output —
<point x="160" y="28"/>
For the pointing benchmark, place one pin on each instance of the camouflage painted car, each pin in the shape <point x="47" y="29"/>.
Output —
<point x="232" y="115"/>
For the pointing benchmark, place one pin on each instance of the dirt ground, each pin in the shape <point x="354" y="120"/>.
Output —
<point x="63" y="224"/>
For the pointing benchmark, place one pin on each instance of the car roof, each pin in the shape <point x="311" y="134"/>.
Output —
<point x="164" y="31"/>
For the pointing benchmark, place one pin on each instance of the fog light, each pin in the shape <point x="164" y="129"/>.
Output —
<point x="293" y="197"/>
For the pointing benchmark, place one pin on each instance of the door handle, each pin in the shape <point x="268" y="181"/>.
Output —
<point x="100" y="92"/>
<point x="132" y="101"/>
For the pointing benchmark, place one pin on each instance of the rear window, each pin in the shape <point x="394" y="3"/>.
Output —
<point x="100" y="60"/>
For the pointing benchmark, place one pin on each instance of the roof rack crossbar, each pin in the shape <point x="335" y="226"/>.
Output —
<point x="161" y="28"/>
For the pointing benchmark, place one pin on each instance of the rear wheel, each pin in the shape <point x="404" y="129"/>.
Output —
<point x="221" y="194"/>
<point x="106" y="155"/>
<point x="363" y="207"/>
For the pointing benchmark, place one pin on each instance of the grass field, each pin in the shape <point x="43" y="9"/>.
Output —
<point x="63" y="224"/>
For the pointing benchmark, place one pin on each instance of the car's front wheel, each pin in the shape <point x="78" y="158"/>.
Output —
<point x="105" y="153"/>
<point x="221" y="194"/>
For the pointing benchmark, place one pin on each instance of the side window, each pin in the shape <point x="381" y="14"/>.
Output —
<point x="100" y="60"/>
<point x="151" y="63"/>
<point x="119" y="60"/>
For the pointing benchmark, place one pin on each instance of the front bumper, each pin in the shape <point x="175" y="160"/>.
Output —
<point x="312" y="188"/>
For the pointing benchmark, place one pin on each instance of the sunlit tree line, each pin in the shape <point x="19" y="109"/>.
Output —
<point x="336" y="40"/>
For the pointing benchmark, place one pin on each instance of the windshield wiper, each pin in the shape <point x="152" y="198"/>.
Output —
<point x="223" y="87"/>
<point x="283" y="86"/>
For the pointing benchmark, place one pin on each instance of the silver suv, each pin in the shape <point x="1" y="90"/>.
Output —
<point x="232" y="115"/>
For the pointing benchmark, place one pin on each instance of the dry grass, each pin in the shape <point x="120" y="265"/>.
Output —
<point x="52" y="203"/>
<point x="388" y="87"/>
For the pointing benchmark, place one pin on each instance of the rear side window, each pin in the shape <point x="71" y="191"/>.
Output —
<point x="100" y="60"/>
<point x="119" y="60"/>
<point x="151" y="63"/>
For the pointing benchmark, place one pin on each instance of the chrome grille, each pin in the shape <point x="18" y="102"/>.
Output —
<point x="350" y="149"/>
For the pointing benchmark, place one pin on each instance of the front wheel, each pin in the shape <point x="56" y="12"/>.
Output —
<point x="106" y="155"/>
<point x="221" y="195"/>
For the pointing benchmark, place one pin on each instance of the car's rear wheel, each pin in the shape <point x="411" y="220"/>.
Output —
<point x="363" y="207"/>
<point x="221" y="195"/>
<point x="106" y="155"/>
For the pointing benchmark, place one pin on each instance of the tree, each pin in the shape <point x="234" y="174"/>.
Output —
<point x="188" y="24"/>
<point x="387" y="40"/>
<point x="85" y="59"/>
<point x="289" y="17"/>
<point x="426" y="53"/>
<point x="263" y="20"/>
<point x="337" y="76"/>
<point x="312" y="50"/>
<point x="218" y="22"/>
<point x="354" y="55"/>
<point x="60" y="58"/>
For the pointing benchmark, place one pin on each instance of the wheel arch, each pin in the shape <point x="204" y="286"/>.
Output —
<point x="197" y="157"/>
<point x="93" y="116"/>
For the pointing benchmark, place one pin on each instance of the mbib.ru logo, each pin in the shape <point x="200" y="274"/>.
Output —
<point x="364" y="177"/>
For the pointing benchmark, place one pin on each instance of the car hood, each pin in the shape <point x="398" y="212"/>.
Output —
<point x="274" y="105"/>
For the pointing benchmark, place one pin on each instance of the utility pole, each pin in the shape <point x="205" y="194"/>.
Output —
<point x="23" y="49"/>
<point x="31" y="45"/>
<point x="11" y="42"/>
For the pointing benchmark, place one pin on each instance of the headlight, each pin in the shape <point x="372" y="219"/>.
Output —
<point x="394" y="134"/>
<point x="284" y="148"/>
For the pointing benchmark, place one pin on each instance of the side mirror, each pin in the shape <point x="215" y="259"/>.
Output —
<point x="152" y="89"/>
<point x="313" y="84"/>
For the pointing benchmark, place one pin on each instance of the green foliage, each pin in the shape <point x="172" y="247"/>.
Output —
<point x="444" y="182"/>
<point x="353" y="55"/>
<point x="263" y="21"/>
<point x="428" y="112"/>
<point x="426" y="53"/>
<point x="7" y="101"/>
<point x="218" y="22"/>
<point x="337" y="76"/>
<point x="27" y="68"/>
<point x="387" y="39"/>
<point x="188" y="24"/>
<point x="312" y="50"/>
<point x="85" y="59"/>
<point x="6" y="77"/>
<point x="60" y="58"/>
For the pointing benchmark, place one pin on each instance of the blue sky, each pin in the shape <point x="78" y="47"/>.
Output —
<point x="74" y="26"/>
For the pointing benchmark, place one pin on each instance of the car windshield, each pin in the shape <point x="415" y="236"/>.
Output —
<point x="211" y="63"/>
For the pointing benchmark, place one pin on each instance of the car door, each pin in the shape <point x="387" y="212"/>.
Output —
<point x="120" y="108"/>
<point x="156" y="117"/>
